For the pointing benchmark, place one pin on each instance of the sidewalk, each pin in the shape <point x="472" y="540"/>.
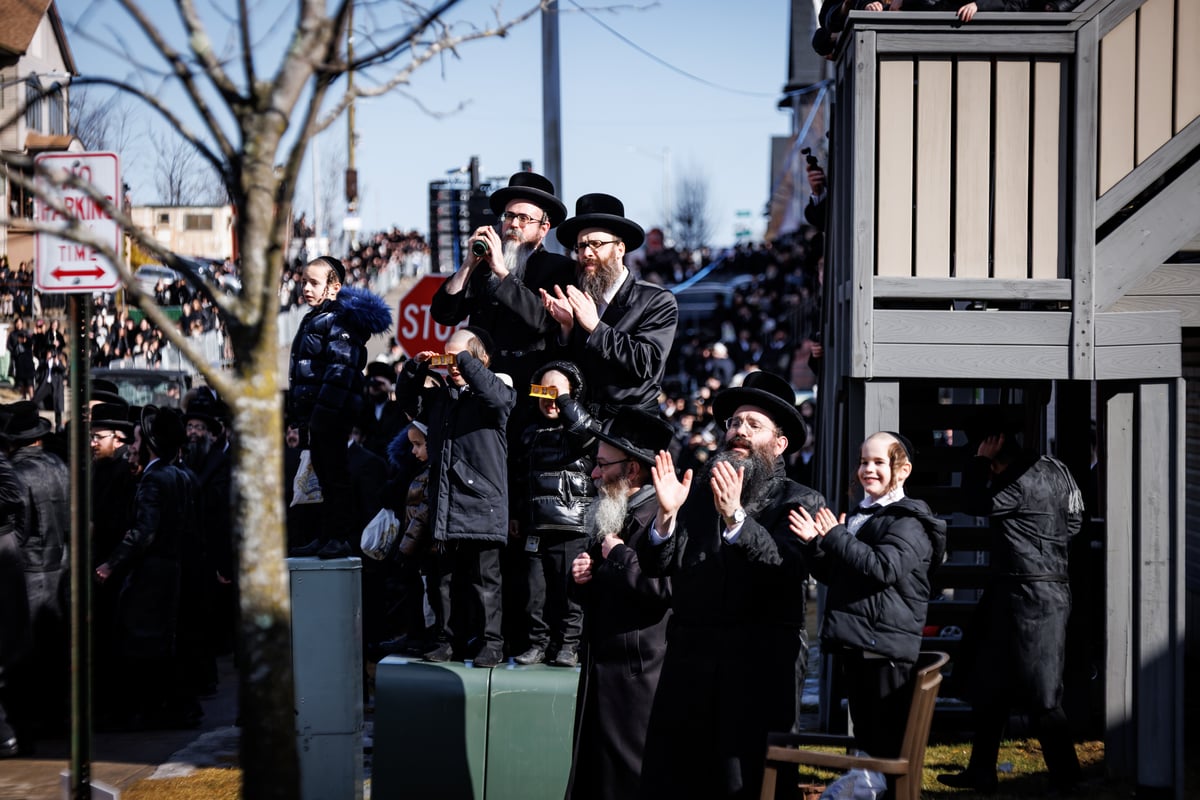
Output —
<point x="123" y="759"/>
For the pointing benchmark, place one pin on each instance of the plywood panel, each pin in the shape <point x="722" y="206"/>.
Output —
<point x="1117" y="86"/>
<point x="895" y="154"/>
<point x="1046" y="220"/>
<point x="1154" y="84"/>
<point x="1011" y="225"/>
<point x="973" y="148"/>
<point x="933" y="169"/>
<point x="1187" y="63"/>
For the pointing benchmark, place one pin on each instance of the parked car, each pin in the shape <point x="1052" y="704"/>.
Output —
<point x="140" y="386"/>
<point x="148" y="276"/>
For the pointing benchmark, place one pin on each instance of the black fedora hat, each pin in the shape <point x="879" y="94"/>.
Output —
<point x="532" y="188"/>
<point x="604" y="211"/>
<point x="771" y="393"/>
<point x="381" y="369"/>
<point x="105" y="391"/>
<point x="211" y="422"/>
<point x="25" y="424"/>
<point x="111" y="417"/>
<point x="163" y="430"/>
<point x="638" y="433"/>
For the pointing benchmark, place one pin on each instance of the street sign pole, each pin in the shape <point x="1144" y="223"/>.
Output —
<point x="65" y="266"/>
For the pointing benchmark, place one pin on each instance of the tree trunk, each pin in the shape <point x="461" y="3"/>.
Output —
<point x="270" y="766"/>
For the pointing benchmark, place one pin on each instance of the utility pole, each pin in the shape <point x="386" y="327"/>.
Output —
<point x="352" y="223"/>
<point x="551" y="107"/>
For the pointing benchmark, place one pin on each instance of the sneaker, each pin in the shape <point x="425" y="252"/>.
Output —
<point x="566" y="657"/>
<point x="441" y="653"/>
<point x="489" y="656"/>
<point x="9" y="748"/>
<point x="534" y="655"/>
<point x="969" y="780"/>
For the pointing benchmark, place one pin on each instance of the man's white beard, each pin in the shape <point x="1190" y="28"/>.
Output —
<point x="595" y="284"/>
<point x="607" y="513"/>
<point x="516" y="254"/>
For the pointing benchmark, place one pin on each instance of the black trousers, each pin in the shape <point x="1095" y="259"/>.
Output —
<point x="328" y="453"/>
<point x="553" y="615"/>
<point x="1051" y="728"/>
<point x="880" y="693"/>
<point x="466" y="603"/>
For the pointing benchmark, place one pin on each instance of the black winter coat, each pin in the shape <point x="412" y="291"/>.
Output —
<point x="45" y="526"/>
<point x="1017" y="641"/>
<point x="735" y="644"/>
<point x="328" y="357"/>
<point x="555" y="487"/>
<point x="468" y="452"/>
<point x="511" y="311"/>
<point x="878" y="580"/>
<point x="628" y="347"/>
<point x="16" y="635"/>
<point x="625" y="635"/>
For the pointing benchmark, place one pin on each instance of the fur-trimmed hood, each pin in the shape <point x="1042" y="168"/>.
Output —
<point x="365" y="310"/>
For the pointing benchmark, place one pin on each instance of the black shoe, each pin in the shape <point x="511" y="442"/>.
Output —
<point x="969" y="780"/>
<point x="489" y="656"/>
<point x="566" y="657"/>
<point x="440" y="654"/>
<point x="534" y="655"/>
<point x="9" y="748"/>
<point x="334" y="548"/>
<point x="305" y="551"/>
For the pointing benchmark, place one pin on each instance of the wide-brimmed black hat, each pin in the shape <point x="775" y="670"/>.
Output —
<point x="599" y="210"/>
<point x="24" y="423"/>
<point x="771" y="393"/>
<point x="381" y="369"/>
<point x="214" y="425"/>
<point x="111" y="417"/>
<point x="532" y="188"/>
<point x="638" y="433"/>
<point x="163" y="430"/>
<point x="105" y="391"/>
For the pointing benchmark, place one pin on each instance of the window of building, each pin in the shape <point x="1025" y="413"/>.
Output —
<point x="197" y="222"/>
<point x="164" y="218"/>
<point x="33" y="105"/>
<point x="58" y="117"/>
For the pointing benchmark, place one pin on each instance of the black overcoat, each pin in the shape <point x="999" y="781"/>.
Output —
<point x="625" y="631"/>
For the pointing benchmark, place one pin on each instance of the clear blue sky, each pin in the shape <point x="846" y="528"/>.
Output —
<point x="628" y="119"/>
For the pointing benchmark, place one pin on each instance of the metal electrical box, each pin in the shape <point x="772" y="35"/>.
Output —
<point x="327" y="663"/>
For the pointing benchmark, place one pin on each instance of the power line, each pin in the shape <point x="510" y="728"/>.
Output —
<point x="664" y="63"/>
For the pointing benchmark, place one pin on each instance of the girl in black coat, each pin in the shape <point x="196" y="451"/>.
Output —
<point x="876" y="566"/>
<point x="326" y="382"/>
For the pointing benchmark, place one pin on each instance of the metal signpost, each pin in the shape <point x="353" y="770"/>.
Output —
<point x="65" y="266"/>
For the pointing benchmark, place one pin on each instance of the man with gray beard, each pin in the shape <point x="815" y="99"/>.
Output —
<point x="612" y="325"/>
<point x="625" y="612"/>
<point x="499" y="291"/>
<point x="737" y="645"/>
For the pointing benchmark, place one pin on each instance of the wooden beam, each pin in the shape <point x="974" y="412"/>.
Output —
<point x="954" y="42"/>
<point x="1151" y="235"/>
<point x="1081" y="193"/>
<point x="1119" y="466"/>
<point x="864" y="114"/>
<point x="972" y="289"/>
<point x="1015" y="328"/>
<point x="1137" y="328"/>
<point x="970" y="361"/>
<point x="1186" y="306"/>
<point x="881" y="409"/>
<point x="1138" y="362"/>
<point x="1149" y="171"/>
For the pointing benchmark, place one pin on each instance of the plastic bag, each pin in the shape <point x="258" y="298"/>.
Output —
<point x="306" y="488"/>
<point x="380" y="534"/>
<point x="857" y="784"/>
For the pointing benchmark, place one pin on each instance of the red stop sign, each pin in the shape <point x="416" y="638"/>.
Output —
<point x="416" y="330"/>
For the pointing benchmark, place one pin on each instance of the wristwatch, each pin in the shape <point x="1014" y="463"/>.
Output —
<point x="739" y="516"/>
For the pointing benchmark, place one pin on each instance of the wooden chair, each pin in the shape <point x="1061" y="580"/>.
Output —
<point x="786" y="748"/>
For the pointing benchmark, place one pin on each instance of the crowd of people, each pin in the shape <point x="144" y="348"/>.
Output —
<point x="577" y="481"/>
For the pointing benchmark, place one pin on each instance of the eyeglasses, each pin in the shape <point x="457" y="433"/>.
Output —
<point x="521" y="219"/>
<point x="605" y="464"/>
<point x="593" y="244"/>
<point x="749" y="423"/>
<point x="99" y="437"/>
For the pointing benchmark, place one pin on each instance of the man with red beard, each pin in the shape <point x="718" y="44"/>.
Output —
<point x="612" y="325"/>
<point x="737" y="645"/>
<point x="499" y="291"/>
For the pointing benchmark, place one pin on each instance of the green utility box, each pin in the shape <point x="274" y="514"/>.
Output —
<point x="531" y="718"/>
<point x="452" y="731"/>
<point x="430" y="730"/>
